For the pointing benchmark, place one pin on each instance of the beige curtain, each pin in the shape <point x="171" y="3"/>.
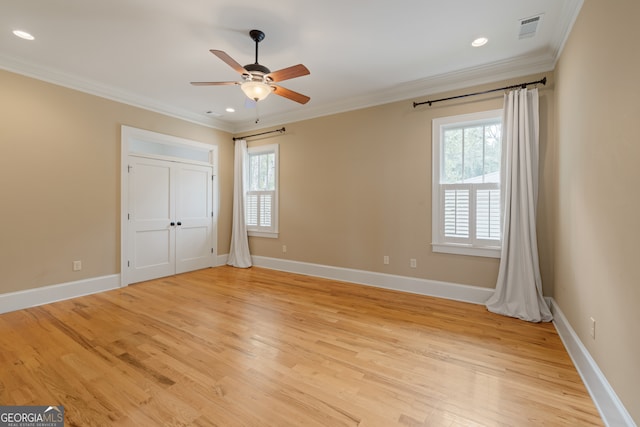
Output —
<point x="239" y="255"/>
<point x="519" y="286"/>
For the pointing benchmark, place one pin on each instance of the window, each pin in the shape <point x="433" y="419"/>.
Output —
<point x="262" y="191"/>
<point x="467" y="160"/>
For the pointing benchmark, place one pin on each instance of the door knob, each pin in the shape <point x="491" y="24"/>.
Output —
<point x="172" y="224"/>
<point x="179" y="223"/>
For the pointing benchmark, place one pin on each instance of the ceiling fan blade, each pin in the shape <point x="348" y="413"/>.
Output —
<point x="288" y="73"/>
<point x="214" y="83"/>
<point x="229" y="61"/>
<point x="289" y="94"/>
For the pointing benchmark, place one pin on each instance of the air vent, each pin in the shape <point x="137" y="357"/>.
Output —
<point x="529" y="26"/>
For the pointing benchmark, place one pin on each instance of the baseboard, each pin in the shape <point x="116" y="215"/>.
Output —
<point x="221" y="260"/>
<point x="609" y="405"/>
<point x="453" y="291"/>
<point x="38" y="296"/>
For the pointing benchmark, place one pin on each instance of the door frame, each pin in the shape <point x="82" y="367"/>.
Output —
<point x="162" y="147"/>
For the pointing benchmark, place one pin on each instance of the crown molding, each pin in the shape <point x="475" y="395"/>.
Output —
<point x="103" y="91"/>
<point x="488" y="73"/>
<point x="568" y="16"/>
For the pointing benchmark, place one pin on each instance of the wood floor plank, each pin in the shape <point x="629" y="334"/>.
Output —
<point x="256" y="347"/>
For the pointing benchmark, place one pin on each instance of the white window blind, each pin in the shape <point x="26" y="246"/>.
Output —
<point x="456" y="211"/>
<point x="260" y="209"/>
<point x="488" y="214"/>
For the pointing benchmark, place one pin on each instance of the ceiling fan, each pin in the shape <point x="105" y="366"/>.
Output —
<point x="257" y="80"/>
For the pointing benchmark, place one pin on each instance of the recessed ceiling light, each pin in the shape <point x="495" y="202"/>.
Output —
<point x="480" y="41"/>
<point x="23" y="35"/>
<point x="230" y="110"/>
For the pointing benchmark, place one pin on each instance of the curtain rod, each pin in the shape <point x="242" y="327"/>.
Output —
<point x="258" y="134"/>
<point x="521" y="85"/>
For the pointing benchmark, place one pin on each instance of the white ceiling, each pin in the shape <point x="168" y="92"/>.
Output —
<point x="360" y="52"/>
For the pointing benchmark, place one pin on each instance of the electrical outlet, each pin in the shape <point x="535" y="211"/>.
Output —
<point x="593" y="328"/>
<point x="413" y="263"/>
<point x="385" y="260"/>
<point x="284" y="249"/>
<point x="77" y="265"/>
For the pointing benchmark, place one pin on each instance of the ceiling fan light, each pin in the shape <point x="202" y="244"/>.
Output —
<point x="256" y="90"/>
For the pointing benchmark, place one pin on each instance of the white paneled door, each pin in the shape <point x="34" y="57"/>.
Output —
<point x="170" y="218"/>
<point x="194" y="216"/>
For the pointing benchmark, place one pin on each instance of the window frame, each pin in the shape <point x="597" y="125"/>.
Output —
<point x="273" y="230"/>
<point x="471" y="246"/>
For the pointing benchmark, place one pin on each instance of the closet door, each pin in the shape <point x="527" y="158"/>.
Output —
<point x="194" y="217"/>
<point x="152" y="249"/>
<point x="170" y="218"/>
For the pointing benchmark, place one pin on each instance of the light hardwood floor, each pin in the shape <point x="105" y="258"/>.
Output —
<point x="254" y="347"/>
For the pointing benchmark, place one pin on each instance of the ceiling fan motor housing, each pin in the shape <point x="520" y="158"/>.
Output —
<point x="257" y="67"/>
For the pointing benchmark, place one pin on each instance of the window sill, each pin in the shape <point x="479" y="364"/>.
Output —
<point x="450" y="248"/>
<point x="269" y="234"/>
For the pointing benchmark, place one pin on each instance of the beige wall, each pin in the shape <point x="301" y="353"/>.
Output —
<point x="356" y="186"/>
<point x="60" y="180"/>
<point x="598" y="201"/>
